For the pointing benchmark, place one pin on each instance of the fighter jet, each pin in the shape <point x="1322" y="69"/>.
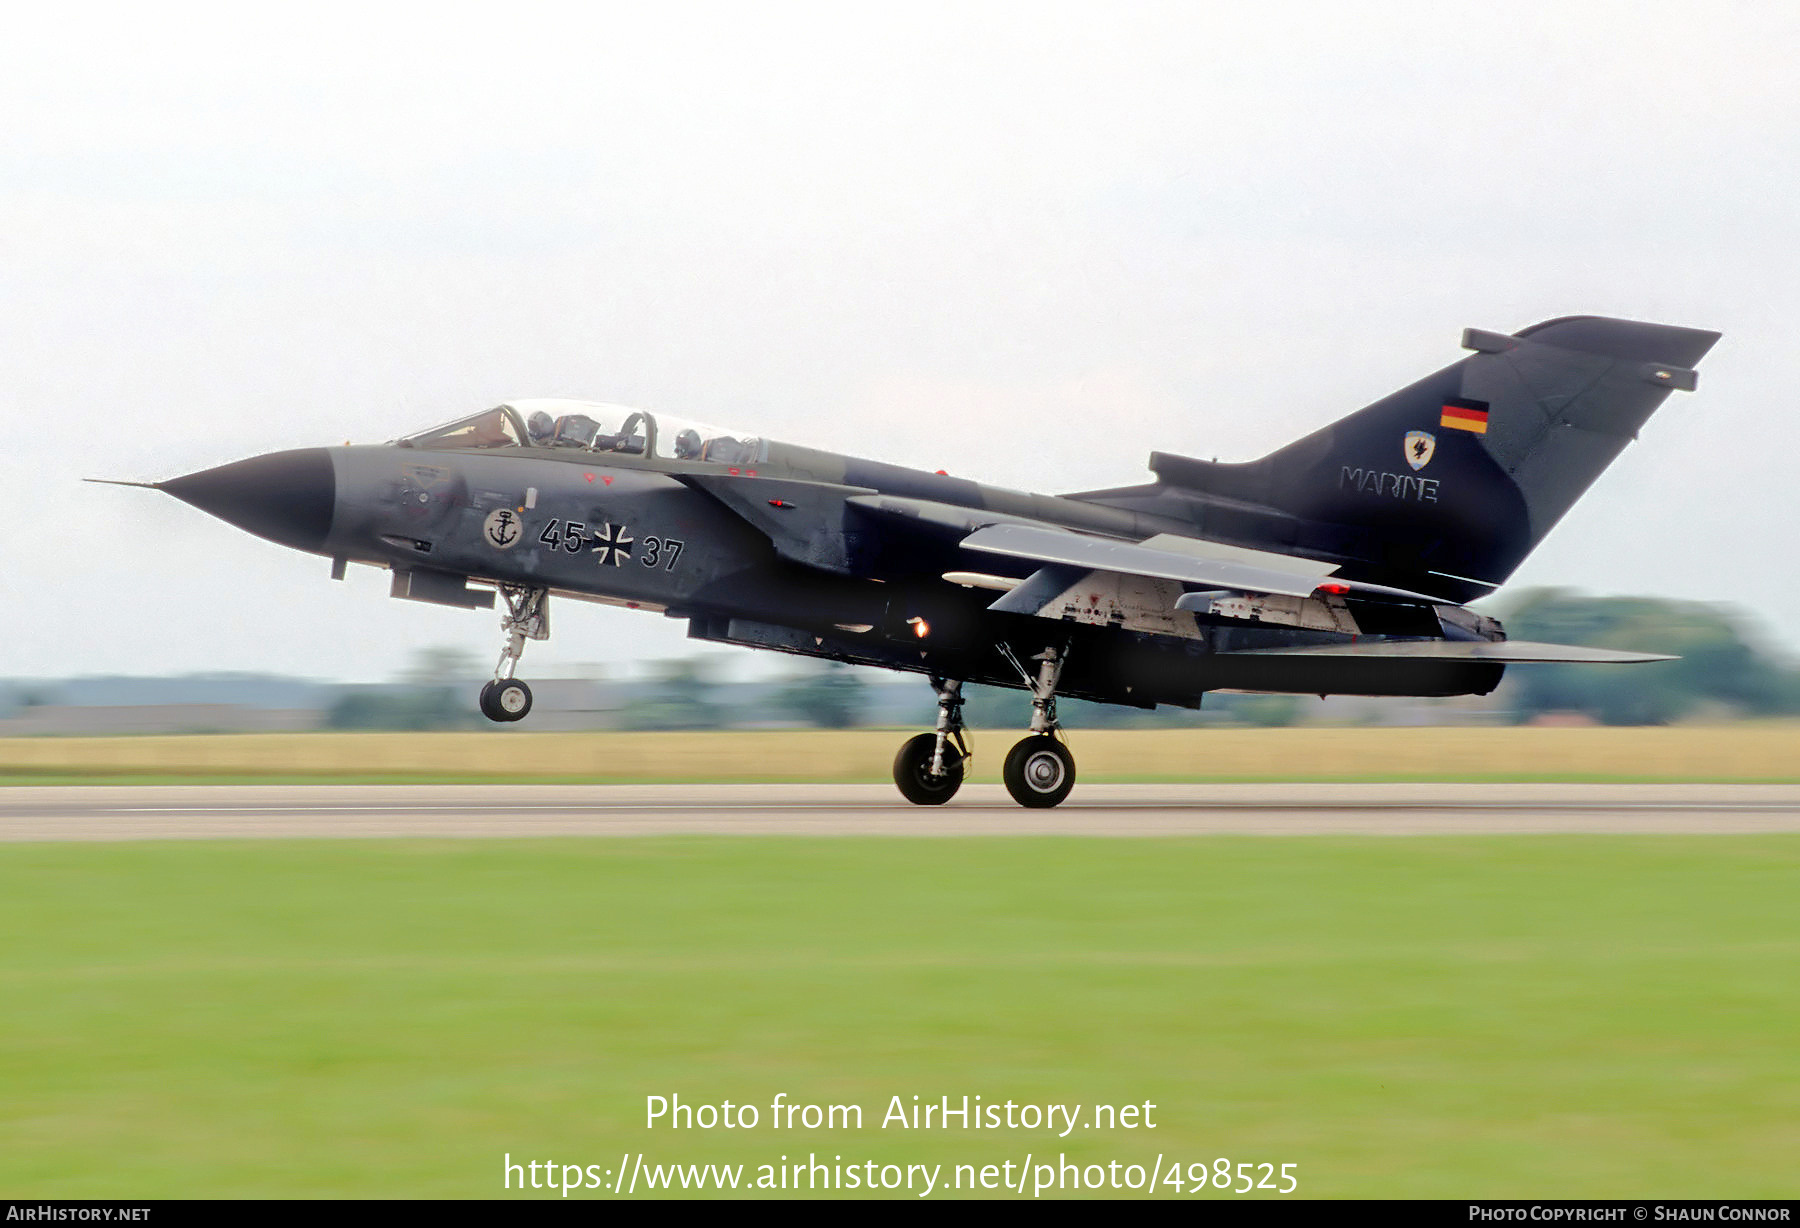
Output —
<point x="1340" y="564"/>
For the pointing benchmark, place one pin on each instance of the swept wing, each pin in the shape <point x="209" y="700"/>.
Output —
<point x="1060" y="547"/>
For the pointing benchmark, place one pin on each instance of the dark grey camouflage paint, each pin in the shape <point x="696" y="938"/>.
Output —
<point x="833" y="556"/>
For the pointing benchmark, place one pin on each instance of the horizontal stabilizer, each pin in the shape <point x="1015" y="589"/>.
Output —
<point x="1497" y="651"/>
<point x="1046" y="545"/>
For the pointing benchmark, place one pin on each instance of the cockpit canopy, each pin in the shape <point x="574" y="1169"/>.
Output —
<point x="591" y="426"/>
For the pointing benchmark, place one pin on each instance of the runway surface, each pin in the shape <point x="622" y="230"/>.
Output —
<point x="286" y="811"/>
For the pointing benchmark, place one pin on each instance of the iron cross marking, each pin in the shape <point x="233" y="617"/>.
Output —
<point x="611" y="544"/>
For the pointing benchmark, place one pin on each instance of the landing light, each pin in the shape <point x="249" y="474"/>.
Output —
<point x="920" y="627"/>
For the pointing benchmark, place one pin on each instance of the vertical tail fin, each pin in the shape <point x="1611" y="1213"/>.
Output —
<point x="1446" y="485"/>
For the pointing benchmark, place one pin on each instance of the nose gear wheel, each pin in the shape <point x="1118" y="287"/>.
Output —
<point x="505" y="701"/>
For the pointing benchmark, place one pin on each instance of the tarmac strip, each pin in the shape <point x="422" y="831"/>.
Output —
<point x="215" y="812"/>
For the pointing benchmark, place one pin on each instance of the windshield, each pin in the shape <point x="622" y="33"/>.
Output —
<point x="493" y="428"/>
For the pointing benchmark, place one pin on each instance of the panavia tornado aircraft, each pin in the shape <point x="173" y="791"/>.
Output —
<point x="1339" y="564"/>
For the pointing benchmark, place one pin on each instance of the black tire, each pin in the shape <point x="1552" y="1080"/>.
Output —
<point x="912" y="771"/>
<point x="486" y="703"/>
<point x="510" y="700"/>
<point x="1039" y="772"/>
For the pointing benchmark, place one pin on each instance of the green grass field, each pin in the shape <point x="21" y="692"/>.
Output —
<point x="1460" y="1017"/>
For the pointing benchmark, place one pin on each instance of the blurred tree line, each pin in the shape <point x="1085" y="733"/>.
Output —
<point x="686" y="693"/>
<point x="428" y="695"/>
<point x="437" y="689"/>
<point x="1723" y="672"/>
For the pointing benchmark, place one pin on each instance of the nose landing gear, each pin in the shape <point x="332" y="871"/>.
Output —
<point x="527" y="617"/>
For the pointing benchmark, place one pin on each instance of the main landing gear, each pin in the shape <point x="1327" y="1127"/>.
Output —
<point x="527" y="617"/>
<point x="1039" y="771"/>
<point x="929" y="767"/>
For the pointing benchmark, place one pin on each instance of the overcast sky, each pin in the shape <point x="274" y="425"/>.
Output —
<point x="1025" y="243"/>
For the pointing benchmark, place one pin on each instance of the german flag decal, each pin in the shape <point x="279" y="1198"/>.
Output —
<point x="1465" y="415"/>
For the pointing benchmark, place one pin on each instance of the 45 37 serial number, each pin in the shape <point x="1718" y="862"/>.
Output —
<point x="613" y="543"/>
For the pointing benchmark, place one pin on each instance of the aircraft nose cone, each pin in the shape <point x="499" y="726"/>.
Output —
<point x="286" y="497"/>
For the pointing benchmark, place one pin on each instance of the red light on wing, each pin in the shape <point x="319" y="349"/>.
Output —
<point x="1333" y="587"/>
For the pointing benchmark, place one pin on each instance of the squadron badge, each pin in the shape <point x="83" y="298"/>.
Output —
<point x="1419" y="447"/>
<point x="502" y="529"/>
